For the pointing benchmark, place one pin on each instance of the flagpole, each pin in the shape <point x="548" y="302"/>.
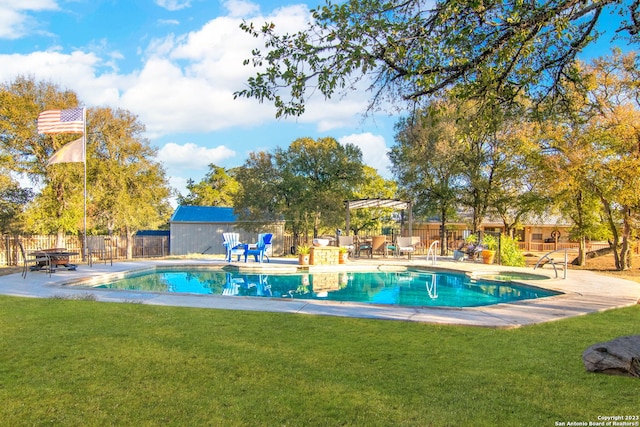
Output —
<point x="84" y="156"/>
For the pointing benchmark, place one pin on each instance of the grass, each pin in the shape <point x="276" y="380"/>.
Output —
<point x="79" y="362"/>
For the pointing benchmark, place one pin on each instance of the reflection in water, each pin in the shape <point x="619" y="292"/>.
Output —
<point x="407" y="288"/>
<point x="247" y="285"/>
<point x="432" y="288"/>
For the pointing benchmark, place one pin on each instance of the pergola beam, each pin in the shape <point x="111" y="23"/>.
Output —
<point x="379" y="203"/>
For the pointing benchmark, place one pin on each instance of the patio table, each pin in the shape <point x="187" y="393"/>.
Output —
<point x="52" y="259"/>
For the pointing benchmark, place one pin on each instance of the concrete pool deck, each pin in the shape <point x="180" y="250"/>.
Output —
<point x="583" y="292"/>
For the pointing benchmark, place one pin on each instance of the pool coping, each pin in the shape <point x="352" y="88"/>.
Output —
<point x="582" y="292"/>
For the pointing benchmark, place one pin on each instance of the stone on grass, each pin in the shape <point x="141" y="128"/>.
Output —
<point x="620" y="356"/>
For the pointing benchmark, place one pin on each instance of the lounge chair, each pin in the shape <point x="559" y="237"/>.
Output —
<point x="231" y="242"/>
<point x="406" y="245"/>
<point x="260" y="249"/>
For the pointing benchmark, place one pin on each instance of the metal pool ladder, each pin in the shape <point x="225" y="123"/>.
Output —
<point x="553" y="262"/>
<point x="432" y="252"/>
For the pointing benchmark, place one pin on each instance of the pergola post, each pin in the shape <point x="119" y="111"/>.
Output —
<point x="347" y="225"/>
<point x="410" y="209"/>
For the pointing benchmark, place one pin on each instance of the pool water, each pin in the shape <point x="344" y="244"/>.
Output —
<point x="404" y="288"/>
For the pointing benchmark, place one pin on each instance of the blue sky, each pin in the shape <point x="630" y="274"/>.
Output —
<point x="175" y="64"/>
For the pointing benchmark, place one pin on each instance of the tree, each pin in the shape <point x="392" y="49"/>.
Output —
<point x="13" y="201"/>
<point x="425" y="162"/>
<point x="411" y="49"/>
<point x="595" y="142"/>
<point x="306" y="184"/>
<point x="57" y="208"/>
<point x="326" y="172"/>
<point x="128" y="189"/>
<point x="373" y="187"/>
<point x="262" y="198"/>
<point x="215" y="189"/>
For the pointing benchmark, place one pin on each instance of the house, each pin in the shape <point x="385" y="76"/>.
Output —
<point x="198" y="230"/>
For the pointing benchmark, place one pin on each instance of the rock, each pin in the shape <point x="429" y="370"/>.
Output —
<point x="620" y="356"/>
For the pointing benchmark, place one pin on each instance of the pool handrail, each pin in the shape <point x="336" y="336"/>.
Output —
<point x="553" y="263"/>
<point x="432" y="251"/>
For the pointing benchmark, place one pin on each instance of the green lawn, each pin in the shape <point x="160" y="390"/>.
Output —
<point x="82" y="363"/>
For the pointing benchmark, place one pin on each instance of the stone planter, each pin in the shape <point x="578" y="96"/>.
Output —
<point x="343" y="257"/>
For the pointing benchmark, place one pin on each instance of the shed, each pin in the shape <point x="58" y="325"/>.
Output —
<point x="198" y="230"/>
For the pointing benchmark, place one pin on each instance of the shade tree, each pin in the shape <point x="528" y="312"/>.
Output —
<point x="406" y="51"/>
<point x="216" y="189"/>
<point x="304" y="184"/>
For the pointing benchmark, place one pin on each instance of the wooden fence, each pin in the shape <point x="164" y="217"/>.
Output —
<point x="102" y="247"/>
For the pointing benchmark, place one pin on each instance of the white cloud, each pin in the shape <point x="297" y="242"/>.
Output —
<point x="168" y="22"/>
<point x="192" y="156"/>
<point x="77" y="71"/>
<point x="15" y="19"/>
<point x="241" y="8"/>
<point x="173" y="5"/>
<point x="185" y="82"/>
<point x="374" y="150"/>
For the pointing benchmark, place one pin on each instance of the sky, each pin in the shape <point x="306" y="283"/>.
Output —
<point x="176" y="64"/>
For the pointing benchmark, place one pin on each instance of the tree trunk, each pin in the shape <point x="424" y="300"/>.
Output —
<point x="614" y="232"/>
<point x="444" y="244"/>
<point x="625" y="250"/>
<point x="129" y="235"/>
<point x="582" y="252"/>
<point x="60" y="239"/>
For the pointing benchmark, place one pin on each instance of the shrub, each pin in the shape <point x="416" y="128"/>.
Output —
<point x="510" y="253"/>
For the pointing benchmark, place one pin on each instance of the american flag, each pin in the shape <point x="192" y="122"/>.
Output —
<point x="61" y="121"/>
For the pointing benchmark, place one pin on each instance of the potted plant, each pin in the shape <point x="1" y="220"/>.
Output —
<point x="470" y="246"/>
<point x="490" y="244"/>
<point x="303" y="254"/>
<point x="344" y="254"/>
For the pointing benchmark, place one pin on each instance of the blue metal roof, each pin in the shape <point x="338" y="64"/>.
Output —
<point x="203" y="214"/>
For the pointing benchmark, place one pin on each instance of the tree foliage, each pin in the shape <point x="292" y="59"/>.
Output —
<point x="373" y="187"/>
<point x="305" y="184"/>
<point x="462" y="154"/>
<point x="127" y="189"/>
<point x="215" y="189"/>
<point x="56" y="208"/>
<point x="593" y="153"/>
<point x="411" y="49"/>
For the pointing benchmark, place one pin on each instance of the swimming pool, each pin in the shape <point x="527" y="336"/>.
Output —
<point x="401" y="288"/>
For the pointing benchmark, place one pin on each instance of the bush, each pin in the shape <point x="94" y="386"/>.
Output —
<point x="510" y="253"/>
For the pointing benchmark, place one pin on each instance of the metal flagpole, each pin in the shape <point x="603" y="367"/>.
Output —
<point x="84" y="156"/>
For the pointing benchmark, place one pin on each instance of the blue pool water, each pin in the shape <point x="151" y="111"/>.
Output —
<point x="405" y="288"/>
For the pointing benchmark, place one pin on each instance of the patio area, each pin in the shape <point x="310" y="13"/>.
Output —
<point x="583" y="292"/>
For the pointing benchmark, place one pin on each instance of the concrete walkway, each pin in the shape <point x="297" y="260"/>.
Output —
<point x="583" y="292"/>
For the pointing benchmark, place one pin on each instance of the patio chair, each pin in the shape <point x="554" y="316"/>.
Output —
<point x="231" y="242"/>
<point x="346" y="242"/>
<point x="41" y="259"/>
<point x="363" y="246"/>
<point x="100" y="249"/>
<point x="380" y="244"/>
<point x="260" y="249"/>
<point x="25" y="259"/>
<point x="406" y="245"/>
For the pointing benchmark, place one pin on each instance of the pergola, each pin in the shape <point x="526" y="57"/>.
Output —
<point x="379" y="203"/>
